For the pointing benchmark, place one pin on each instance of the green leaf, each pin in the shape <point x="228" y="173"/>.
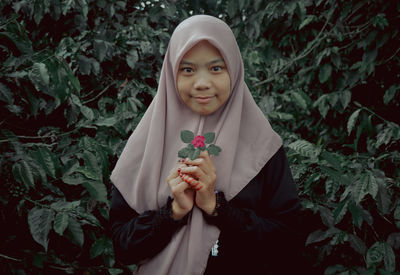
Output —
<point x="6" y="95"/>
<point x="39" y="75"/>
<point x="375" y="254"/>
<point x="340" y="211"/>
<point x="209" y="137"/>
<point x="320" y="235"/>
<point x="195" y="154"/>
<point x="74" y="179"/>
<point x="132" y="58"/>
<point x="366" y="185"/>
<point x="213" y="150"/>
<point x="357" y="244"/>
<point x="231" y="8"/>
<point x="184" y="152"/>
<point x="187" y="136"/>
<point x="396" y="216"/>
<point x="40" y="221"/>
<point x="26" y="174"/>
<point x="75" y="232"/>
<point x="352" y="121"/>
<point x="345" y="98"/>
<point x="357" y="214"/>
<point x="299" y="100"/>
<point x="62" y="205"/>
<point x="60" y="223"/>
<point x="308" y="20"/>
<point x="87" y="112"/>
<point x="92" y="169"/>
<point x="115" y="271"/>
<point x="46" y="160"/>
<point x="389" y="258"/>
<point x="97" y="190"/>
<point x="324" y="73"/>
<point x="106" y="121"/>
<point x="99" y="246"/>
<point x="305" y="148"/>
<point x="390" y="93"/>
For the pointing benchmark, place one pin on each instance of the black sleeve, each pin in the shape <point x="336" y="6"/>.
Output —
<point x="138" y="237"/>
<point x="274" y="227"/>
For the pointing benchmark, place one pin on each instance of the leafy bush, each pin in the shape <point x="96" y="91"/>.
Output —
<point x="76" y="77"/>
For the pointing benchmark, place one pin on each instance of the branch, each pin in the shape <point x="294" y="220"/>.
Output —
<point x="300" y="56"/>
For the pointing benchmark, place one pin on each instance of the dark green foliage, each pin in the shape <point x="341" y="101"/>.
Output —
<point x="77" y="76"/>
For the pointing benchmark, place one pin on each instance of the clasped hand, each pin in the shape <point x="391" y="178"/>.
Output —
<point x="193" y="182"/>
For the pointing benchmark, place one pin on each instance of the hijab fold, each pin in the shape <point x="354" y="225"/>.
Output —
<point x="242" y="131"/>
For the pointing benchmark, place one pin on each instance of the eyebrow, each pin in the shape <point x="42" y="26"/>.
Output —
<point x="185" y="62"/>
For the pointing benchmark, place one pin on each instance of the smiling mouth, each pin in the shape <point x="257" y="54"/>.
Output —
<point x="203" y="99"/>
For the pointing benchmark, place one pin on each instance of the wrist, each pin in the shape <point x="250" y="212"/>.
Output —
<point x="177" y="212"/>
<point x="210" y="207"/>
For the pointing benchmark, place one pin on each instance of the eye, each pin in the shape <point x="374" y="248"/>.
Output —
<point x="216" y="68"/>
<point x="186" y="70"/>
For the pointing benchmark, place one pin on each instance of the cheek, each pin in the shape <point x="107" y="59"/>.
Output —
<point x="181" y="85"/>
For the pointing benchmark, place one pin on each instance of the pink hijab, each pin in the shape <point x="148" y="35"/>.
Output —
<point x="242" y="131"/>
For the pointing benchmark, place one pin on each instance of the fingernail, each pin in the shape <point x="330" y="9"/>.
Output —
<point x="179" y="170"/>
<point x="182" y="160"/>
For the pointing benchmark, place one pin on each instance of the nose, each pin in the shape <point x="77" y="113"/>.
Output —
<point x="202" y="81"/>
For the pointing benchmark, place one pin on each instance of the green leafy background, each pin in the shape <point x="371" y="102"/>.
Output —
<point x="77" y="76"/>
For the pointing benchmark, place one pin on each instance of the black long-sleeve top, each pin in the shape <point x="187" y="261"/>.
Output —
<point x="260" y="227"/>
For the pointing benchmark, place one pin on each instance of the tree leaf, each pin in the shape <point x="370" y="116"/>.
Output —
<point x="115" y="271"/>
<point x="320" y="235"/>
<point x="6" y="95"/>
<point x="352" y="121"/>
<point x="305" y="148"/>
<point x="39" y="75"/>
<point x="299" y="100"/>
<point x="98" y="247"/>
<point x="187" y="136"/>
<point x="325" y="73"/>
<point x="209" y="137"/>
<point x="308" y="20"/>
<point x="383" y="200"/>
<point x="345" y="98"/>
<point x="106" y="121"/>
<point x="389" y="257"/>
<point x="26" y="174"/>
<point x="326" y="216"/>
<point x="396" y="216"/>
<point x="394" y="240"/>
<point x="75" y="231"/>
<point x="60" y="223"/>
<point x="46" y="160"/>
<point x="132" y="58"/>
<point x="357" y="244"/>
<point x="375" y="254"/>
<point x="366" y="185"/>
<point x="87" y="112"/>
<point x="357" y="214"/>
<point x="340" y="211"/>
<point x="40" y="221"/>
<point x="390" y="93"/>
<point x="97" y="190"/>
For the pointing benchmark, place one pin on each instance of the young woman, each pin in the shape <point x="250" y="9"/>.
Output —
<point x="234" y="213"/>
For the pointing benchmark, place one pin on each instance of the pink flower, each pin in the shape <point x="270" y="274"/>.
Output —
<point x="198" y="141"/>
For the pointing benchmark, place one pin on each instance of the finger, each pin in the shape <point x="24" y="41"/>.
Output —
<point x="190" y="180"/>
<point x="180" y="188"/>
<point x="193" y="171"/>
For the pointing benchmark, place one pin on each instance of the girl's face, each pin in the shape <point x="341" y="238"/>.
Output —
<point x="203" y="80"/>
